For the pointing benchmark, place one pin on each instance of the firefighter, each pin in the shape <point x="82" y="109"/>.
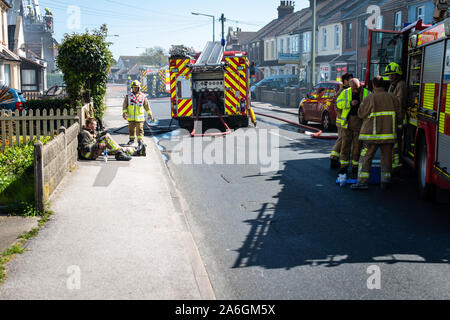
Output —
<point x="335" y="153"/>
<point x="91" y="145"/>
<point x="48" y="19"/>
<point x="349" y="101"/>
<point x="380" y="112"/>
<point x="399" y="88"/>
<point x="133" y="110"/>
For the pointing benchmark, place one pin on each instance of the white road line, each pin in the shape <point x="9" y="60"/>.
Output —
<point x="281" y="136"/>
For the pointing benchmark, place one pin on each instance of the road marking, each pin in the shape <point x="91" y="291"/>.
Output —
<point x="281" y="136"/>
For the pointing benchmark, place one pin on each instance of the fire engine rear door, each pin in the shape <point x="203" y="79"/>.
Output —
<point x="384" y="47"/>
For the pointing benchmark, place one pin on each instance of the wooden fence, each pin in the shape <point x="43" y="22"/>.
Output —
<point x="18" y="127"/>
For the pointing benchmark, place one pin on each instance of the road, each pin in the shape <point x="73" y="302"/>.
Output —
<point x="292" y="233"/>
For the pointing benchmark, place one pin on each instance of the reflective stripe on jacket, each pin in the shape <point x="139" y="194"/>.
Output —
<point x="380" y="112"/>
<point x="343" y="102"/>
<point x="135" y="109"/>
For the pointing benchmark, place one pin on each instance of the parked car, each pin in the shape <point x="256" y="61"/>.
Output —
<point x="278" y="82"/>
<point x="56" y="92"/>
<point x="11" y="99"/>
<point x="320" y="105"/>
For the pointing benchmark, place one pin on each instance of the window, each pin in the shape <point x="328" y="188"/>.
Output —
<point x="364" y="33"/>
<point x="324" y="38"/>
<point x="273" y="50"/>
<point x="420" y="12"/>
<point x="295" y="43"/>
<point x="7" y="74"/>
<point x="398" y="20"/>
<point x="288" y="45"/>
<point x="348" y="35"/>
<point x="266" y="52"/>
<point x="336" y="37"/>
<point x="306" y="42"/>
<point x="281" y="49"/>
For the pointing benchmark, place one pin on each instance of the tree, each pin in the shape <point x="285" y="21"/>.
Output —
<point x="85" y="61"/>
<point x="154" y="57"/>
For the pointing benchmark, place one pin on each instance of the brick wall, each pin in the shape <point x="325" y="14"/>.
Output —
<point x="53" y="161"/>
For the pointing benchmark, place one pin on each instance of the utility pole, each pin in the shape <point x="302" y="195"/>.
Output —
<point x="313" y="47"/>
<point x="223" y="19"/>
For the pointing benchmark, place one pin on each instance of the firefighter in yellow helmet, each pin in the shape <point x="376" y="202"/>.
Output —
<point x="399" y="88"/>
<point x="134" y="107"/>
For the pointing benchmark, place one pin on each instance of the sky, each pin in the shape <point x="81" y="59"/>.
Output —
<point x="163" y="23"/>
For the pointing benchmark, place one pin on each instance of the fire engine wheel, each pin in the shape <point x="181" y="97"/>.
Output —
<point x="326" y="121"/>
<point x="427" y="191"/>
<point x="301" y="116"/>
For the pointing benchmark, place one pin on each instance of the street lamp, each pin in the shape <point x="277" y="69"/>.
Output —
<point x="207" y="15"/>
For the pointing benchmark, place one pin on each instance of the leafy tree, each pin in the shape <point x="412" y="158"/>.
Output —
<point x="154" y="56"/>
<point x="85" y="61"/>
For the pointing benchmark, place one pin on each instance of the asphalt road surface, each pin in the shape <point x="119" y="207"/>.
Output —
<point x="285" y="230"/>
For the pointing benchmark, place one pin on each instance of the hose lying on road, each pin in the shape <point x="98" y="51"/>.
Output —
<point x="316" y="135"/>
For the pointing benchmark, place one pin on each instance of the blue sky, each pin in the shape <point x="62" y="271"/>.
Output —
<point x="161" y="23"/>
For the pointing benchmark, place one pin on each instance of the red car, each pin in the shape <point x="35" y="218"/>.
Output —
<point x="320" y="105"/>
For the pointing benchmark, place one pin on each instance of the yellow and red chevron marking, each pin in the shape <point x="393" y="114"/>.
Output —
<point x="185" y="108"/>
<point x="180" y="66"/>
<point x="444" y="114"/>
<point x="173" y="87"/>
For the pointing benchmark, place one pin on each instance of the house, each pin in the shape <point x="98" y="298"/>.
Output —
<point x="238" y="40"/>
<point x="329" y="42"/>
<point x="32" y="68"/>
<point x="37" y="33"/>
<point x="9" y="61"/>
<point x="420" y="10"/>
<point x="128" y="66"/>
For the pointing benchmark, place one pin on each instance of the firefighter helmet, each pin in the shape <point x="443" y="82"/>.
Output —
<point x="393" y="68"/>
<point x="136" y="84"/>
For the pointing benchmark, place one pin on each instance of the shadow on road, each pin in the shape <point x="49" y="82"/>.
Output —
<point x="313" y="222"/>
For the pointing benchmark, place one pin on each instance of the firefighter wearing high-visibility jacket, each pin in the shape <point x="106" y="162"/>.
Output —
<point x="380" y="112"/>
<point x="348" y="102"/>
<point x="336" y="152"/>
<point x="134" y="107"/>
<point x="400" y="89"/>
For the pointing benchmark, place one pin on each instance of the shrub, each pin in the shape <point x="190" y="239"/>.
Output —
<point x="85" y="61"/>
<point x="17" y="174"/>
<point x="48" y="104"/>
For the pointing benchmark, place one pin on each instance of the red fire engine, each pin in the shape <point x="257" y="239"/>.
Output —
<point x="209" y="86"/>
<point x="424" y="54"/>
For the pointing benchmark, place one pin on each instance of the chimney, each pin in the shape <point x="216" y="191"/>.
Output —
<point x="285" y="8"/>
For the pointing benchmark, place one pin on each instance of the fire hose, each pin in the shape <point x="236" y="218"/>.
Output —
<point x="316" y="135"/>
<point x="193" y="134"/>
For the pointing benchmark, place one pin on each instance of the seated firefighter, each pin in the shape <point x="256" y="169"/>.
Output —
<point x="91" y="145"/>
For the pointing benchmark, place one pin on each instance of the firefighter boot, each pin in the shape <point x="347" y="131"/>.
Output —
<point x="334" y="163"/>
<point x="141" y="151"/>
<point x="130" y="142"/>
<point x="122" y="156"/>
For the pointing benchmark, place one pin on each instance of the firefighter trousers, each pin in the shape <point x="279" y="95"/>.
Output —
<point x="135" y="127"/>
<point x="336" y="152"/>
<point x="396" y="161"/>
<point x="111" y="146"/>
<point x="350" y="138"/>
<point x="365" y="162"/>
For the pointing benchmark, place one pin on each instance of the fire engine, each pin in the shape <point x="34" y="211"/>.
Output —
<point x="209" y="86"/>
<point x="155" y="81"/>
<point x="423" y="51"/>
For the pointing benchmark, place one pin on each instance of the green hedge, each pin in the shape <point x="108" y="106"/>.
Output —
<point x="48" y="104"/>
<point x="17" y="174"/>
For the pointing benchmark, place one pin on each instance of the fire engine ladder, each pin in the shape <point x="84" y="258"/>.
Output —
<point x="211" y="55"/>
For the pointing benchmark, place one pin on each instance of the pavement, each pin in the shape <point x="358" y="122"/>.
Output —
<point x="119" y="231"/>
<point x="12" y="227"/>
